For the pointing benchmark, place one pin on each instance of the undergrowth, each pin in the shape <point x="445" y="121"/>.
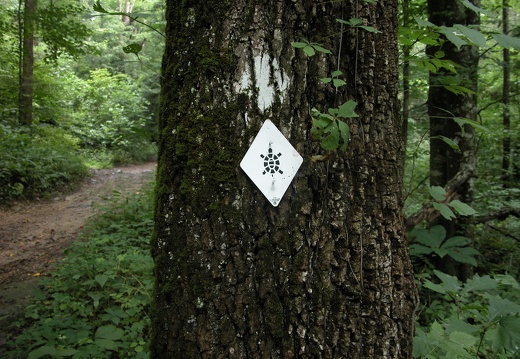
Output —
<point x="96" y="303"/>
<point x="37" y="162"/>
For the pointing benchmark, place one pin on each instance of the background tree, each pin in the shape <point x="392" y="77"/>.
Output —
<point x="324" y="274"/>
<point x="452" y="145"/>
<point x="27" y="30"/>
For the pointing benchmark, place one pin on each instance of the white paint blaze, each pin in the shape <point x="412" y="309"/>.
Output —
<point x="268" y="78"/>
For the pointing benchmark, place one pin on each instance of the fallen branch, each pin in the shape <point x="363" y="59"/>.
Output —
<point x="502" y="214"/>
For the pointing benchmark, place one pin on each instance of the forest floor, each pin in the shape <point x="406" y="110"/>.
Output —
<point x="34" y="235"/>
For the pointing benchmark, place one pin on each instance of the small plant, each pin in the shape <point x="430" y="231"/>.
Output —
<point x="475" y="319"/>
<point x="96" y="303"/>
<point x="37" y="162"/>
<point x="433" y="241"/>
<point x="446" y="209"/>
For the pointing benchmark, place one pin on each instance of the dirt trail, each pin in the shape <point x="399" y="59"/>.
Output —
<point x="33" y="235"/>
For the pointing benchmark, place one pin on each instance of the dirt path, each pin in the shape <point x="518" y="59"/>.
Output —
<point x="33" y="235"/>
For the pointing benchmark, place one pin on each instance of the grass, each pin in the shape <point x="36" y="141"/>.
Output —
<point x="96" y="303"/>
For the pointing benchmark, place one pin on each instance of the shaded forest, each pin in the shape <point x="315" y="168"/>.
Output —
<point x="79" y="89"/>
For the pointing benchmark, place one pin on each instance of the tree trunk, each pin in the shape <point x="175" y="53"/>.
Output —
<point x="406" y="74"/>
<point x="126" y="8"/>
<point x="326" y="273"/>
<point x="25" y="98"/>
<point x="507" y="173"/>
<point x="444" y="106"/>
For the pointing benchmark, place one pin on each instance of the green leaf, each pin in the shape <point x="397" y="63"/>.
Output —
<point x="418" y="249"/>
<point x="445" y="211"/>
<point x="474" y="36"/>
<point x="134" y="48"/>
<point x="101" y="279"/>
<point x="506" y="279"/>
<point x="438" y="193"/>
<point x="344" y="130"/>
<point x="457" y="241"/>
<point x="326" y="80"/>
<point x="509" y="42"/>
<point x="478" y="283"/>
<point x="299" y="45"/>
<point x="96" y="297"/>
<point x="98" y="8"/>
<point x="309" y="51"/>
<point x="423" y="23"/>
<point x="462" y="208"/>
<point x="477" y="9"/>
<point x="43" y="351"/>
<point x="320" y="48"/>
<point x="336" y="73"/>
<point x="448" y="141"/>
<point x="464" y="255"/>
<point x="455" y="324"/>
<point x="110" y="332"/>
<point x="431" y="238"/>
<point x="347" y="109"/>
<point x="449" y="32"/>
<point x="499" y="307"/>
<point x="450" y="283"/>
<point x="369" y="29"/>
<point x="435" y="287"/>
<point x="507" y="334"/>
<point x="354" y="21"/>
<point x="338" y="83"/>
<point x="331" y="142"/>
<point x="464" y="121"/>
<point x="66" y="352"/>
<point x="106" y="344"/>
<point x="463" y="339"/>
<point x="459" y="90"/>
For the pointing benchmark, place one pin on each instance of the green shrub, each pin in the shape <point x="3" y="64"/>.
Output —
<point x="479" y="318"/>
<point x="37" y="161"/>
<point x="109" y="113"/>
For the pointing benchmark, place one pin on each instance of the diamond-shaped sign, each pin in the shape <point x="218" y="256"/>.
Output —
<point x="271" y="162"/>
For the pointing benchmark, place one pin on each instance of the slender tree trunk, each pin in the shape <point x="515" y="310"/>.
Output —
<point x="406" y="75"/>
<point x="326" y="273"/>
<point x="444" y="106"/>
<point x="506" y="90"/>
<point x="25" y="98"/>
<point x="126" y="6"/>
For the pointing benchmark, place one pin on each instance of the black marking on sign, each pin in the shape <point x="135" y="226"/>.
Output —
<point x="271" y="162"/>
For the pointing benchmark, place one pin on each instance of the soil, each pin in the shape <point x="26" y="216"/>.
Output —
<point x="34" y="235"/>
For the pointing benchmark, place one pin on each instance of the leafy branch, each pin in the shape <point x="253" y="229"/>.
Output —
<point x="133" y="48"/>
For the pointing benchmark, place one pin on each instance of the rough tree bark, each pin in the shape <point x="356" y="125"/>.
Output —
<point x="326" y="273"/>
<point x="444" y="106"/>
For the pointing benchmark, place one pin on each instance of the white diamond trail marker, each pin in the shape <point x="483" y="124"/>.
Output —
<point x="271" y="162"/>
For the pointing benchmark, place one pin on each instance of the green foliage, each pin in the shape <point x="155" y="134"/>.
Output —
<point x="329" y="129"/>
<point x="109" y="113"/>
<point x="357" y="23"/>
<point x="99" y="8"/>
<point x="63" y="29"/>
<point x="310" y="48"/>
<point x="478" y="318"/>
<point x="96" y="303"/>
<point x="37" y="162"/>
<point x="433" y="241"/>
<point x="446" y="209"/>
